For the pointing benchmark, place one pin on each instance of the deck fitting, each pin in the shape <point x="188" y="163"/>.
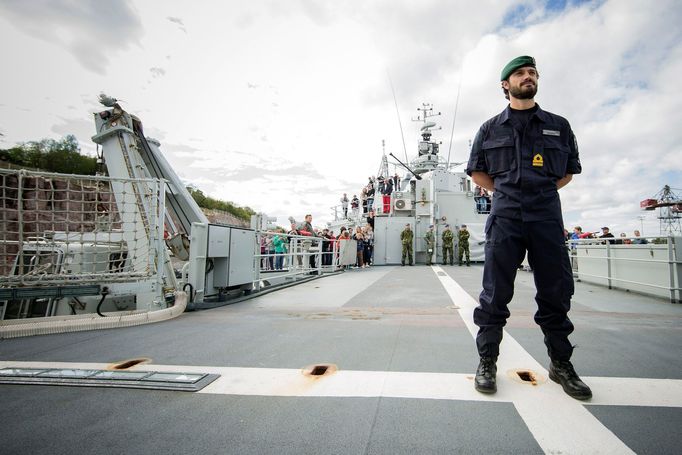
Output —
<point x="319" y="370"/>
<point x="125" y="364"/>
<point x="525" y="376"/>
<point x="157" y="380"/>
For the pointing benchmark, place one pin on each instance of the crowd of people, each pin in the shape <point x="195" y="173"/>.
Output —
<point x="622" y="239"/>
<point x="383" y="186"/>
<point x="277" y="252"/>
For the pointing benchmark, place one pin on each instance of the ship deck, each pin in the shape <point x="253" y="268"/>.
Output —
<point x="401" y="339"/>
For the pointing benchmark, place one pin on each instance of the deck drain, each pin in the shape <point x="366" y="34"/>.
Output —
<point x="324" y="369"/>
<point x="124" y="365"/>
<point x="319" y="370"/>
<point x="526" y="377"/>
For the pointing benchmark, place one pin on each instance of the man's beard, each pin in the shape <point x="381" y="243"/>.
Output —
<point x="524" y="92"/>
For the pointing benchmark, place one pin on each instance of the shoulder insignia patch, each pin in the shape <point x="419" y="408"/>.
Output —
<point x="537" y="160"/>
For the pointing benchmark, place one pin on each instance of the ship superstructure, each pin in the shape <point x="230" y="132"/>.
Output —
<point x="432" y="192"/>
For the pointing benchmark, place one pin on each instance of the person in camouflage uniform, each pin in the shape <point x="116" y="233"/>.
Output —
<point x="430" y="239"/>
<point x="463" y="238"/>
<point x="448" y="237"/>
<point x="406" y="238"/>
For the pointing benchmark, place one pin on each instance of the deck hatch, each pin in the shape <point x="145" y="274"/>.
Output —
<point x="67" y="373"/>
<point x="121" y="375"/>
<point x="187" y="382"/>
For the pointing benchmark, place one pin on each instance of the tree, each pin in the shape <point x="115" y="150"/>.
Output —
<point x="208" y="202"/>
<point x="61" y="156"/>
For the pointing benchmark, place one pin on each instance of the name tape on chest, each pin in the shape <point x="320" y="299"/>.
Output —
<point x="551" y="133"/>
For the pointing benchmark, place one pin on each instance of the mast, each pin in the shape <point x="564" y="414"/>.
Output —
<point x="383" y="167"/>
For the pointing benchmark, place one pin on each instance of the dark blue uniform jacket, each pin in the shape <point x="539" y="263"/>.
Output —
<point x="525" y="166"/>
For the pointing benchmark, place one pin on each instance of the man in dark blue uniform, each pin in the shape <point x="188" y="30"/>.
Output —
<point x="525" y="155"/>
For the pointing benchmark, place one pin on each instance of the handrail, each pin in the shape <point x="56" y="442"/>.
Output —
<point x="612" y="250"/>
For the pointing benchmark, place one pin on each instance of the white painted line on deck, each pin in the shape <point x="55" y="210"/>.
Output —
<point x="559" y="423"/>
<point x="290" y="382"/>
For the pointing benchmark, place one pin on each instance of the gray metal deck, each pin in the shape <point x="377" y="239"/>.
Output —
<point x="405" y="362"/>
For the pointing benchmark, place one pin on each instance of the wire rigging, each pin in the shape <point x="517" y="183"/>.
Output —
<point x="454" y="118"/>
<point x="400" y="123"/>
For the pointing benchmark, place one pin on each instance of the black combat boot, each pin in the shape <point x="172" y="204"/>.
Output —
<point x="562" y="372"/>
<point x="485" y="375"/>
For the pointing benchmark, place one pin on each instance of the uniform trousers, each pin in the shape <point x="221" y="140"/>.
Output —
<point x="448" y="251"/>
<point x="407" y="253"/>
<point x="506" y="243"/>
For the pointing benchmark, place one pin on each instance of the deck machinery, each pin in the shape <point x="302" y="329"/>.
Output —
<point x="124" y="240"/>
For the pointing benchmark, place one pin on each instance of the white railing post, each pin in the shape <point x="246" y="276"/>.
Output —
<point x="257" y="260"/>
<point x="319" y="255"/>
<point x="608" y="263"/>
<point x="20" y="222"/>
<point x="671" y="268"/>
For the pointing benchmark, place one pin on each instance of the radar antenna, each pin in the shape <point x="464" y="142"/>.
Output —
<point x="425" y="112"/>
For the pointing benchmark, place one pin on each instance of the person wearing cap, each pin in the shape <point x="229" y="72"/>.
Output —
<point x="448" y="246"/>
<point x="406" y="238"/>
<point x="430" y="239"/>
<point x="524" y="155"/>
<point x="605" y="234"/>
<point x="463" y="244"/>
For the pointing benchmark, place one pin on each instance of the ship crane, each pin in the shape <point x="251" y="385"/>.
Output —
<point x="669" y="206"/>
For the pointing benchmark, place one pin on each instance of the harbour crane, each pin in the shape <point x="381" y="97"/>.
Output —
<point x="669" y="206"/>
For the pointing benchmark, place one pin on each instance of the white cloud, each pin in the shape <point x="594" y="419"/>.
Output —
<point x="311" y="78"/>
<point x="88" y="29"/>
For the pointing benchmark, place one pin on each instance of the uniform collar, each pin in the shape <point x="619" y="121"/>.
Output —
<point x="539" y="113"/>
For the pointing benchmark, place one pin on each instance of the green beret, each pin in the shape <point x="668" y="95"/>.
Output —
<point x="518" y="62"/>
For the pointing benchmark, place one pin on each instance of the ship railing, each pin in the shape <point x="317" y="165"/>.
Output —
<point x="60" y="229"/>
<point x="304" y="256"/>
<point x="358" y="214"/>
<point x="653" y="268"/>
<point x="483" y="204"/>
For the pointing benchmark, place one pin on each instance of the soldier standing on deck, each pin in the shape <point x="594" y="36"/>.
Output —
<point x="463" y="240"/>
<point x="525" y="155"/>
<point x="430" y="239"/>
<point x="406" y="238"/>
<point x="448" y="237"/>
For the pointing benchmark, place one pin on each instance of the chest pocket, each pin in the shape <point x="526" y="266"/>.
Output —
<point x="498" y="153"/>
<point x="555" y="156"/>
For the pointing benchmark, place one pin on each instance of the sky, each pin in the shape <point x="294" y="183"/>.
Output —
<point x="282" y="106"/>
